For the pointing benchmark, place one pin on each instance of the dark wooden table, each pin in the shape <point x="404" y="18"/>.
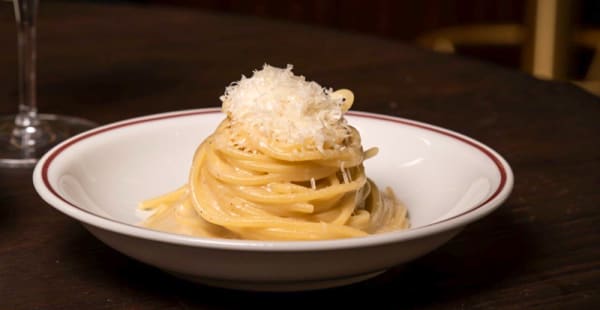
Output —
<point x="107" y="63"/>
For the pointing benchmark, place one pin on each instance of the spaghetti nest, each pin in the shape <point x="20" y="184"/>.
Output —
<point x="242" y="188"/>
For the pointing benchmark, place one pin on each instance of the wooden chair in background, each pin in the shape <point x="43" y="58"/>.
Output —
<point x="547" y="37"/>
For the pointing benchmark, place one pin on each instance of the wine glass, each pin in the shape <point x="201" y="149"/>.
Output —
<point x="26" y="136"/>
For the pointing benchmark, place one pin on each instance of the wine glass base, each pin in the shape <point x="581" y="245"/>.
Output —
<point x="52" y="130"/>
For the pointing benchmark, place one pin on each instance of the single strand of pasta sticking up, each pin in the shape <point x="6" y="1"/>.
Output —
<point x="283" y="165"/>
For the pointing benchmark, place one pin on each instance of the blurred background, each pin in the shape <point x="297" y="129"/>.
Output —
<point x="550" y="39"/>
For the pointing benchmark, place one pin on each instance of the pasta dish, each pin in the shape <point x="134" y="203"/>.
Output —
<point x="284" y="164"/>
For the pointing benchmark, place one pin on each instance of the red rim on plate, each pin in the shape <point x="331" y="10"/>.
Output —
<point x="487" y="152"/>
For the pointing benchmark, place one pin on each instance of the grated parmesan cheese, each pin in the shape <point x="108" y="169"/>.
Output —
<point x="285" y="108"/>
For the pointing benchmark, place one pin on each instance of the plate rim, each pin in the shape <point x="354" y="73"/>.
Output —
<point x="45" y="189"/>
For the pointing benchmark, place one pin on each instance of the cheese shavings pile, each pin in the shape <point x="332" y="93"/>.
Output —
<point x="285" y="108"/>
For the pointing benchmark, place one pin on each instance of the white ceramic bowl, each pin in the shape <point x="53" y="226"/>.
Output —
<point x="446" y="180"/>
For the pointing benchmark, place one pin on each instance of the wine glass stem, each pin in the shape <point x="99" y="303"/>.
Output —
<point x="27" y="121"/>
